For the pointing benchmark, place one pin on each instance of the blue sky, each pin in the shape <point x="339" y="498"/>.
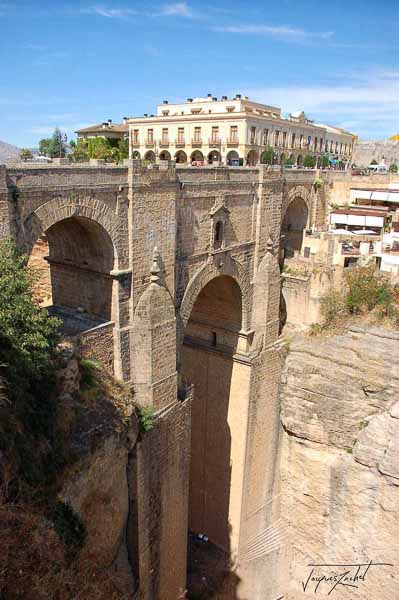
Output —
<point x="75" y="63"/>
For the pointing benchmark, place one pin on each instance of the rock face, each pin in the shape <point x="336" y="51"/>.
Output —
<point x="340" y="463"/>
<point x="365" y="152"/>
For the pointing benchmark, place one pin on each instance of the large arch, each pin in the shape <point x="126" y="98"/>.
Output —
<point x="294" y="223"/>
<point x="210" y="362"/>
<point x="180" y="157"/>
<point x="136" y="155"/>
<point x="214" y="156"/>
<point x="232" y="155"/>
<point x="84" y="242"/>
<point x="211" y="269"/>
<point x="197" y="156"/>
<point x="252" y="158"/>
<point x="150" y="156"/>
<point x="164" y="155"/>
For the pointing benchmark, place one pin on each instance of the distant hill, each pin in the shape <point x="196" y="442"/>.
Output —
<point x="8" y="152"/>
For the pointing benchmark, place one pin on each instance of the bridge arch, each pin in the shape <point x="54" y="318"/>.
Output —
<point x="215" y="313"/>
<point x="222" y="264"/>
<point x="84" y="246"/>
<point x="85" y="207"/>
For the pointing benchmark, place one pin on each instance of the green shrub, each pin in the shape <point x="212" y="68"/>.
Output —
<point x="147" y="418"/>
<point x="367" y="289"/>
<point x="28" y="339"/>
<point x="89" y="368"/>
<point x="333" y="306"/>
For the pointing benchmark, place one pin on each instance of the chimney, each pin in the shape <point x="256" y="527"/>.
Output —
<point x="214" y="99"/>
<point x="166" y="101"/>
<point x="146" y="114"/>
<point x="209" y="95"/>
<point x="238" y="96"/>
<point x="109" y="122"/>
<point x="189" y="99"/>
<point x="224" y="97"/>
<point x="125" y="120"/>
<point x="105" y="125"/>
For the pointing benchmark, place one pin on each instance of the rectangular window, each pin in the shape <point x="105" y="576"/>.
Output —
<point x="253" y="135"/>
<point x="215" y="134"/>
<point x="293" y="140"/>
<point x="135" y="136"/>
<point x="284" y="139"/>
<point x="315" y="143"/>
<point x="265" y="137"/>
<point x="276" y="137"/>
<point x="180" y="135"/>
<point x="301" y="140"/>
<point x="197" y="134"/>
<point x="165" y="136"/>
<point x="234" y="133"/>
<point x="150" y="135"/>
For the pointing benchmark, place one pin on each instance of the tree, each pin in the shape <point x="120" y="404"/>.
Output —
<point x="123" y="148"/>
<point x="25" y="154"/>
<point x="324" y="161"/>
<point x="27" y="334"/>
<point x="80" y="151"/>
<point x="54" y="147"/>
<point x="267" y="157"/>
<point x="309" y="161"/>
<point x="393" y="168"/>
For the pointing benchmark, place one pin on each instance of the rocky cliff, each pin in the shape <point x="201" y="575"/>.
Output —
<point x="340" y="465"/>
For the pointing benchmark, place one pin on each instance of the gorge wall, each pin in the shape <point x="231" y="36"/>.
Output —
<point x="340" y="461"/>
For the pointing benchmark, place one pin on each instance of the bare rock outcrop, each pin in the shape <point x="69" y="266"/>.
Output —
<point x="340" y="464"/>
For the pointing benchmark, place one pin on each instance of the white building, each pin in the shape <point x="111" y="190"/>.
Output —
<point x="232" y="131"/>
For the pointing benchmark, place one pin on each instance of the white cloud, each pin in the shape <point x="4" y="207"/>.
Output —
<point x="283" y="32"/>
<point x="110" y="13"/>
<point x="370" y="102"/>
<point x="177" y="9"/>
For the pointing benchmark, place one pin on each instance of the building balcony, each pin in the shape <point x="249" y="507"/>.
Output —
<point x="196" y="143"/>
<point x="135" y="144"/>
<point x="232" y="142"/>
<point x="180" y="143"/>
<point x="149" y="143"/>
<point x="215" y="141"/>
<point x="164" y="143"/>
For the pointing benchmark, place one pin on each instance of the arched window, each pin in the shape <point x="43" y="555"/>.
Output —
<point x="218" y="234"/>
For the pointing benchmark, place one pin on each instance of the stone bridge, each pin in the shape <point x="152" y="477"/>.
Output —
<point x="174" y="275"/>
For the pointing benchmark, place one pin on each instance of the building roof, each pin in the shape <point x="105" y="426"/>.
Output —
<point x="106" y="126"/>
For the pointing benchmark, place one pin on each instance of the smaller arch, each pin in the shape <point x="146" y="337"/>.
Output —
<point x="299" y="160"/>
<point x="214" y="156"/>
<point x="180" y="157"/>
<point x="136" y="155"/>
<point x="197" y="156"/>
<point x="150" y="156"/>
<point x="164" y="155"/>
<point x="252" y="158"/>
<point x="232" y="155"/>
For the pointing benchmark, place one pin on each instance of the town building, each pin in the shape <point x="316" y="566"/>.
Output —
<point x="233" y="131"/>
<point x="108" y="130"/>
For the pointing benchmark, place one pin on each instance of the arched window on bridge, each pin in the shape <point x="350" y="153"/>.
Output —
<point x="218" y="234"/>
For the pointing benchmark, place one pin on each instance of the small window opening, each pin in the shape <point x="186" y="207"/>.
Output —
<point x="218" y="234"/>
<point x="214" y="338"/>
